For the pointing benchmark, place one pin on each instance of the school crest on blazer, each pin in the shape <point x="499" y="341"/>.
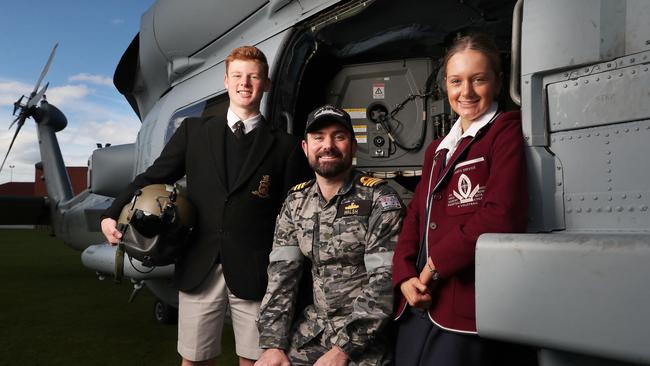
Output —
<point x="263" y="189"/>
<point x="467" y="184"/>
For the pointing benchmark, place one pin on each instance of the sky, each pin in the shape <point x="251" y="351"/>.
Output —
<point x="92" y="37"/>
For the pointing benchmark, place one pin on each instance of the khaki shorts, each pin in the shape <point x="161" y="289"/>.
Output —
<point x="200" y="321"/>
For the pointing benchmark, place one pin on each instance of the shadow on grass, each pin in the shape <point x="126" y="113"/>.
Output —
<point x="55" y="311"/>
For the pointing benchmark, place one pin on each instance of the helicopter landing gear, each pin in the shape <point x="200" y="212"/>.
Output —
<point x="165" y="313"/>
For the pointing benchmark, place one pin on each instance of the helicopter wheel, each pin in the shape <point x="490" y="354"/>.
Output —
<point x="165" y="313"/>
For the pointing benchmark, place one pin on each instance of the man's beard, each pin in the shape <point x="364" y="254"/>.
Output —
<point x="331" y="169"/>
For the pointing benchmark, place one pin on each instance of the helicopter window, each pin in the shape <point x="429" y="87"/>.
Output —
<point x="206" y="108"/>
<point x="194" y="110"/>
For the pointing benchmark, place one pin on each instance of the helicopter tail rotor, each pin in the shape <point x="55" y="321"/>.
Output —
<point x="27" y="110"/>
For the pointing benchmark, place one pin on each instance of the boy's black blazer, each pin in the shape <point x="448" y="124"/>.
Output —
<point x="235" y="226"/>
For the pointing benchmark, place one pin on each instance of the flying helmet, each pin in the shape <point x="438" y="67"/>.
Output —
<point x="156" y="224"/>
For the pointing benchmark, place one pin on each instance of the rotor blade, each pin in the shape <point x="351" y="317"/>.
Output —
<point x="37" y="97"/>
<point x="20" y="125"/>
<point x="14" y="122"/>
<point x="46" y="68"/>
<point x="17" y="105"/>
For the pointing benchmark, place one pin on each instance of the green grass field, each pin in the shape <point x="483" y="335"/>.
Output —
<point x="54" y="311"/>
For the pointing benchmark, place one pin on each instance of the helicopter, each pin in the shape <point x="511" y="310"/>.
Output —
<point x="574" y="286"/>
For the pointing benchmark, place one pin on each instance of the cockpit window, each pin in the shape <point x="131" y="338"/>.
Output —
<point x="194" y="110"/>
<point x="215" y="106"/>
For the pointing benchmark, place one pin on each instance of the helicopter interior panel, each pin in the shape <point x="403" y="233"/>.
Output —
<point x="344" y="55"/>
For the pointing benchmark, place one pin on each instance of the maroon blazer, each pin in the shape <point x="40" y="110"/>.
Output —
<point x="481" y="189"/>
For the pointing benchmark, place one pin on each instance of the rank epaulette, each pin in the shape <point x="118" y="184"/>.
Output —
<point x="301" y="186"/>
<point x="370" y="181"/>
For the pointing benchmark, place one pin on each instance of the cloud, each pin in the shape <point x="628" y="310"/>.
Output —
<point x="115" y="132"/>
<point x="117" y="21"/>
<point x="24" y="141"/>
<point x="10" y="91"/>
<point x="23" y="154"/>
<point x="68" y="94"/>
<point x="93" y="79"/>
<point x="20" y="173"/>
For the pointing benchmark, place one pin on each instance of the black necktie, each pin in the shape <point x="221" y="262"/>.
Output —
<point x="239" y="129"/>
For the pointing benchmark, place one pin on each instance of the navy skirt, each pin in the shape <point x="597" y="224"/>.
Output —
<point x="419" y="342"/>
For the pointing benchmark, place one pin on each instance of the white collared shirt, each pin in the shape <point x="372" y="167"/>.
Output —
<point x="456" y="134"/>
<point x="249" y="124"/>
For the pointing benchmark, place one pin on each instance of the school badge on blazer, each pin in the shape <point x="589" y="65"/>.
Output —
<point x="263" y="189"/>
<point x="465" y="193"/>
<point x="467" y="186"/>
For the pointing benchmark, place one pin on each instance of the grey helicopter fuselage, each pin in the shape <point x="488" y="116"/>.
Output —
<point x="575" y="286"/>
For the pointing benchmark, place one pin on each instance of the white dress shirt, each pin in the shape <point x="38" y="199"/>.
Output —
<point x="456" y="134"/>
<point x="249" y="124"/>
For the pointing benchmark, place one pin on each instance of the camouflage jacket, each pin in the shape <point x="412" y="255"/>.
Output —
<point x="349" y="241"/>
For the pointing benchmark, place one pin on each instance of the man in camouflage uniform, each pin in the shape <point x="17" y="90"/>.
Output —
<point x="346" y="225"/>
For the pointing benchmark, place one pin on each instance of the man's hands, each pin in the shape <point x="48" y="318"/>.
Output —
<point x="273" y="357"/>
<point x="333" y="357"/>
<point x="277" y="357"/>
<point x="109" y="229"/>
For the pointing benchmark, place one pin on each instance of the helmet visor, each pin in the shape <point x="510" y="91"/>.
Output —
<point x="148" y="225"/>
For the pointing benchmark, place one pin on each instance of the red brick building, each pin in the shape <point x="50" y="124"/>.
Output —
<point x="78" y="179"/>
<point x="17" y="189"/>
